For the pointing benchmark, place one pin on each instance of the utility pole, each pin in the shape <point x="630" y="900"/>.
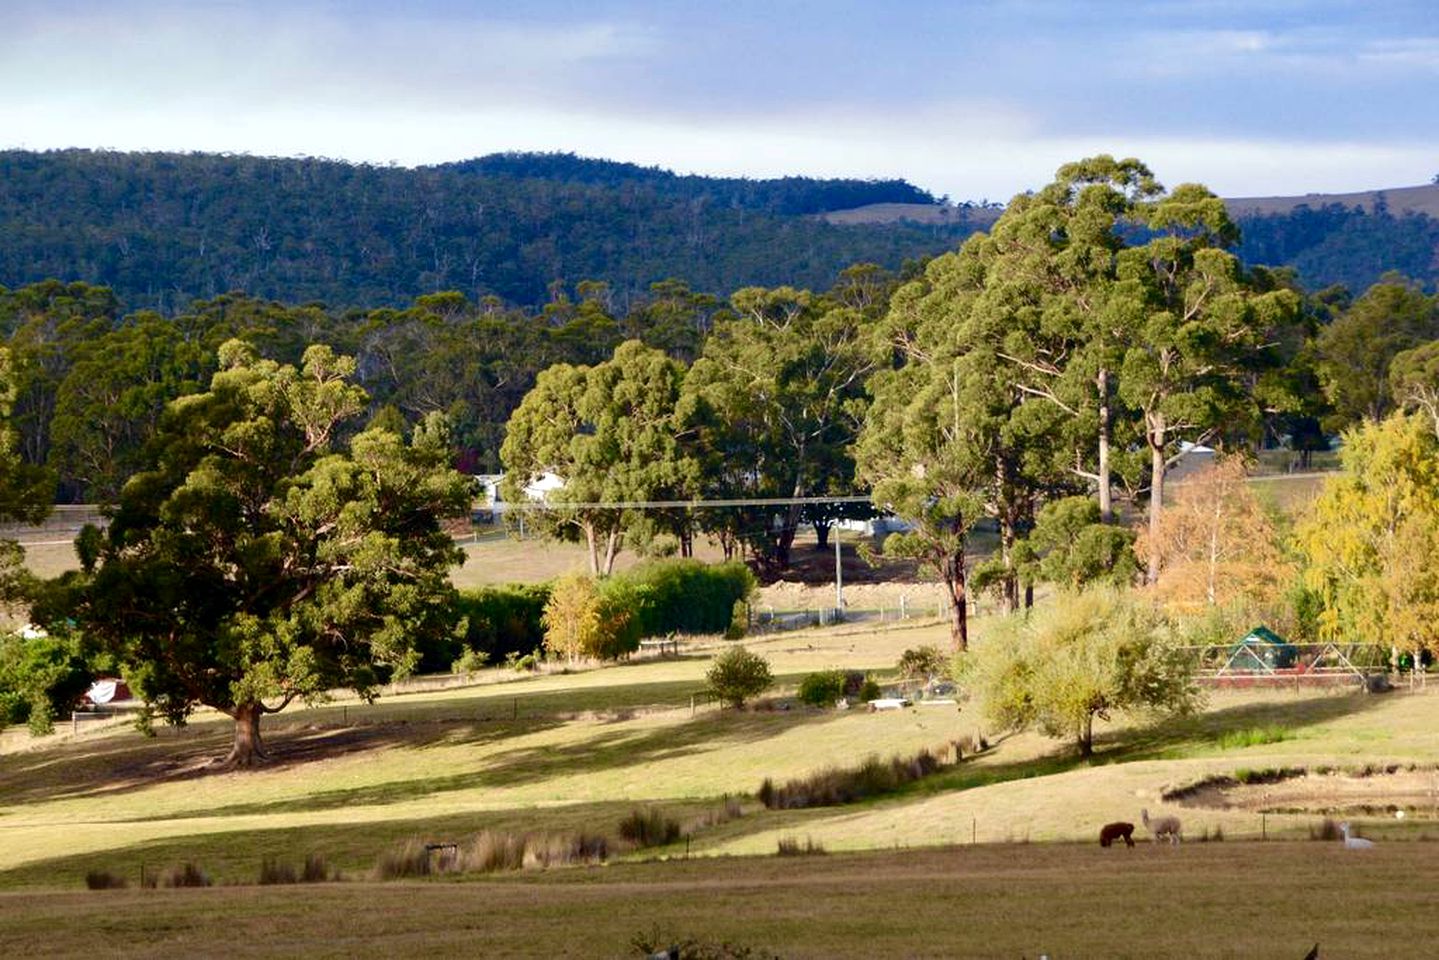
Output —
<point x="838" y="575"/>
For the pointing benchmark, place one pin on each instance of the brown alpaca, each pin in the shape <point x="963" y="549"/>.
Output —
<point x="1111" y="832"/>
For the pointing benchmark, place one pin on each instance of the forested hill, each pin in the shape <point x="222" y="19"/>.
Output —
<point x="164" y="229"/>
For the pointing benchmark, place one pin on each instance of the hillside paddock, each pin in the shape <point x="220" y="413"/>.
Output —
<point x="993" y="856"/>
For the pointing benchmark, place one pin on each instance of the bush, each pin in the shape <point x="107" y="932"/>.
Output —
<point x="276" y="871"/>
<point x="316" y="870"/>
<point x="185" y="875"/>
<point x="104" y="880"/>
<point x="471" y="661"/>
<point x="41" y="678"/>
<point x="822" y="689"/>
<point x="922" y="663"/>
<point x="501" y="620"/>
<point x="649" y="828"/>
<point x="739" y="621"/>
<point x="687" y="596"/>
<point x="870" y="690"/>
<point x="738" y="675"/>
<point x="1327" y="829"/>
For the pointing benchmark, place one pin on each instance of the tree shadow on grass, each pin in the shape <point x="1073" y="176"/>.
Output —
<point x="608" y="748"/>
<point x="1170" y="739"/>
<point x="235" y="856"/>
<point x="120" y="762"/>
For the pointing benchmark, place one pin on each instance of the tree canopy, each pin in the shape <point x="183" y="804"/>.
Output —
<point x="267" y="553"/>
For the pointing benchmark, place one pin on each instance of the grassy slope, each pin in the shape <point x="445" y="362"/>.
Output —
<point x="578" y="751"/>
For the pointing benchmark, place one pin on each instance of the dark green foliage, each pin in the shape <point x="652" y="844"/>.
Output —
<point x="499" y="621"/>
<point x="41" y="678"/>
<point x="687" y="596"/>
<point x="822" y="689"/>
<point x="1335" y="244"/>
<point x="303" y="230"/>
<point x="659" y="942"/>
<point x="738" y="675"/>
<point x="836" y="786"/>
<point x="649" y="828"/>
<point x="104" y="880"/>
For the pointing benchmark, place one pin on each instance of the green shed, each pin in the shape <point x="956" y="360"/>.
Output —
<point x="1262" y="650"/>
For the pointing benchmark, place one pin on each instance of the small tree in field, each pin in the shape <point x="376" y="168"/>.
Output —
<point x="737" y="675"/>
<point x="260" y="559"/>
<point x="572" y="618"/>
<point x="1080" y="657"/>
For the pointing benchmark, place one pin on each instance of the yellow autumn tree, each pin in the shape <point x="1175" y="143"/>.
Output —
<point x="572" y="618"/>
<point x="1215" y="544"/>
<point x="1370" y="537"/>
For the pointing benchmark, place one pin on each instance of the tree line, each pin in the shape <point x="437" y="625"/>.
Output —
<point x="278" y="477"/>
<point x="162" y="230"/>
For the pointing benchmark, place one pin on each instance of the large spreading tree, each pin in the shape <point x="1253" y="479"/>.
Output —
<point x="263" y="557"/>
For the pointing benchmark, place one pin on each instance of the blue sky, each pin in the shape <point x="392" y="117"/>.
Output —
<point x="977" y="100"/>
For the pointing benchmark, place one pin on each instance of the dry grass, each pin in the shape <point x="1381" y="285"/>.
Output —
<point x="984" y="901"/>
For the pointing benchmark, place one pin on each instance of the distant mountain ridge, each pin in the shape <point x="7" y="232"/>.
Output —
<point x="162" y="229"/>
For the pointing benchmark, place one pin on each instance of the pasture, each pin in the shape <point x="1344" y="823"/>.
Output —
<point x="994" y="856"/>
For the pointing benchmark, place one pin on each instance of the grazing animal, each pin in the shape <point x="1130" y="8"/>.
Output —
<point x="1163" y="828"/>
<point x="1111" y="832"/>
<point x="1354" y="843"/>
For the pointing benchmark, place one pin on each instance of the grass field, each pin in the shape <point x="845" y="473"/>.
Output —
<point x="1230" y="900"/>
<point x="965" y="872"/>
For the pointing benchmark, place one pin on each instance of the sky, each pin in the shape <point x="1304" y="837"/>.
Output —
<point x="977" y="100"/>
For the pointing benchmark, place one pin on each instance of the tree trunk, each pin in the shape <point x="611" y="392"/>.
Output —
<point x="957" y="585"/>
<point x="248" y="750"/>
<point x="594" y="552"/>
<point x="612" y="544"/>
<point x="1106" y="503"/>
<point x="1156" y="430"/>
<point x="1086" y="737"/>
<point x="821" y="536"/>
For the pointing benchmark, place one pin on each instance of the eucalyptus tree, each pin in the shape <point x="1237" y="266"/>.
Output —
<point x="258" y="560"/>
<point x="611" y="434"/>
<point x="1204" y="325"/>
<point x="776" y="399"/>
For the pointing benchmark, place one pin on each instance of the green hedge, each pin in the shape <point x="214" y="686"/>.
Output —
<point x="652" y="600"/>
<point x="500" y="620"/>
<point x="686" y="596"/>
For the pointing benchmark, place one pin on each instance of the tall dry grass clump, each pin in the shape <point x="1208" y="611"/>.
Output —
<point x="836" y="786"/>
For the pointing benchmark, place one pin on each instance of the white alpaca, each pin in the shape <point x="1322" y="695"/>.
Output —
<point x="1163" y="828"/>
<point x="1354" y="843"/>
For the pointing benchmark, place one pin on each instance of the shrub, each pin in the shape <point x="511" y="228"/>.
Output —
<point x="1326" y="829"/>
<point x="870" y="690"/>
<point x="738" y="675"/>
<point x="275" y="871"/>
<point x="104" y="880"/>
<point x="501" y="620"/>
<point x="41" y="678"/>
<point x="649" y="828"/>
<point x="922" y="662"/>
<point x="185" y="875"/>
<point x="687" y="596"/>
<point x="470" y="661"/>
<point x="822" y="689"/>
<point x="316" y="870"/>
<point x="738" y="621"/>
